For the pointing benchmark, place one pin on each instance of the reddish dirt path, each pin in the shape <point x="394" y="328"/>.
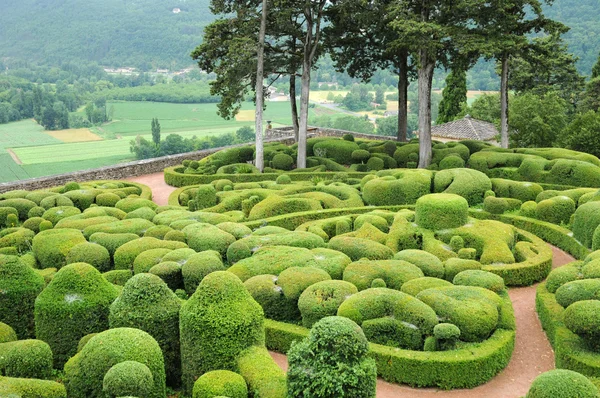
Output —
<point x="156" y="182"/>
<point x="532" y="355"/>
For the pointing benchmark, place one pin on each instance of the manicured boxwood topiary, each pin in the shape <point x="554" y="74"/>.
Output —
<point x="90" y="253"/>
<point x="468" y="183"/>
<point x="128" y="378"/>
<point x="203" y="236"/>
<point x="217" y="323"/>
<point x="377" y="303"/>
<point x="357" y="248"/>
<point x="336" y="149"/>
<point x="198" y="266"/>
<point x="126" y="254"/>
<point x="441" y="211"/>
<point x="84" y="373"/>
<point x="220" y="383"/>
<point x="323" y="299"/>
<point x="562" y="383"/>
<point x="108" y="199"/>
<point x="7" y="333"/>
<point x="479" y="278"/>
<point x="585" y="222"/>
<point x="282" y="161"/>
<point x="572" y="292"/>
<point x="20" y="285"/>
<point x="556" y="210"/>
<point x="427" y="262"/>
<point x="263" y="377"/>
<point x="583" y="319"/>
<point x="75" y="303"/>
<point x="170" y="273"/>
<point x="375" y="164"/>
<point x="130" y="204"/>
<point x="146" y="303"/>
<point x="31" y="388"/>
<point x="332" y="361"/>
<point x="21" y="205"/>
<point x="394" y="272"/>
<point x="112" y="241"/>
<point x="52" y="247"/>
<point x="405" y="188"/>
<point x="55" y="201"/>
<point x="26" y="358"/>
<point x="452" y="162"/>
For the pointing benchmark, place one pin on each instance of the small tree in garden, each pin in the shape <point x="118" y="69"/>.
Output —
<point x="155" y="131"/>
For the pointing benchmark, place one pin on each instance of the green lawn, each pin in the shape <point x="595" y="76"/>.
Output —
<point x="44" y="155"/>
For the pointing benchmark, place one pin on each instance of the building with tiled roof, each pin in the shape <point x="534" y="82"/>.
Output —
<point x="465" y="129"/>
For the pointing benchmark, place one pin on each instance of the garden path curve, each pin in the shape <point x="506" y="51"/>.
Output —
<point x="532" y="355"/>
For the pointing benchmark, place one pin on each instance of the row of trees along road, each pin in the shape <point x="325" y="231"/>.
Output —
<point x="410" y="37"/>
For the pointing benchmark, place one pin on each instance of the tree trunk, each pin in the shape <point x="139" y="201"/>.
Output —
<point x="302" y="130"/>
<point x="259" y="163"/>
<point x="426" y="69"/>
<point x="504" y="103"/>
<point x="403" y="97"/>
<point x="294" y="105"/>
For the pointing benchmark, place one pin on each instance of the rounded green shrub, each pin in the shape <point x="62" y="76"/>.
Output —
<point x="81" y="198"/>
<point x="336" y="149"/>
<point x="170" y="273"/>
<point x="55" y="214"/>
<point x="26" y="358"/>
<point x="75" y="303"/>
<point x="16" y="239"/>
<point x="269" y="295"/>
<point x="7" y="333"/>
<point x="112" y="241"/>
<point x="561" y="275"/>
<point x="108" y="199"/>
<point x="217" y="323"/>
<point x="480" y="278"/>
<point x="473" y="309"/>
<point x="528" y="209"/>
<point x="203" y="236"/>
<point x="5" y="212"/>
<point x="127" y="253"/>
<point x="198" y="266"/>
<point x="146" y="303"/>
<point x="332" y="261"/>
<point x="404" y="188"/>
<point x="585" y="222"/>
<point x="31" y="388"/>
<point x="468" y="183"/>
<point x="360" y="155"/>
<point x="427" y="262"/>
<point x="20" y="285"/>
<point x="237" y="251"/>
<point x="332" y="361"/>
<point x="282" y="161"/>
<point x="36" y="212"/>
<point x="375" y="164"/>
<point x="294" y="280"/>
<point x="495" y="205"/>
<point x="556" y="210"/>
<point x="90" y="253"/>
<point x="130" y="204"/>
<point x="206" y="196"/>
<point x="562" y="383"/>
<point x="51" y="247"/>
<point x="323" y="299"/>
<point x="33" y="223"/>
<point x="591" y="270"/>
<point x="128" y="378"/>
<point x="118" y="277"/>
<point x="454" y="266"/>
<point x="441" y="211"/>
<point x="56" y="201"/>
<point x="579" y="290"/>
<point x="23" y="206"/>
<point x="219" y="383"/>
<point x="416" y="286"/>
<point x="84" y="372"/>
<point x="394" y="272"/>
<point x="583" y="319"/>
<point x="283" y="179"/>
<point x="452" y="162"/>
<point x="175" y="235"/>
<point x="148" y="259"/>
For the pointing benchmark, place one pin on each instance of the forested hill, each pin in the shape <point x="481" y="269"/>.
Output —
<point x="110" y="32"/>
<point x="147" y="33"/>
<point x="583" y="17"/>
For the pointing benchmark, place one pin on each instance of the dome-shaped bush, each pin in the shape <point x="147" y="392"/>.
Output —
<point x="562" y="383"/>
<point x="583" y="319"/>
<point x="128" y="378"/>
<point x="85" y="372"/>
<point x="441" y="211"/>
<point x="146" y="303"/>
<point x="20" y="285"/>
<point x="219" y="383"/>
<point x="75" y="303"/>
<point x="217" y="323"/>
<point x="90" y="253"/>
<point x="52" y="247"/>
<point x="282" y="161"/>
<point x="323" y="299"/>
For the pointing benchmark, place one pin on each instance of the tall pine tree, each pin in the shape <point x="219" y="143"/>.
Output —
<point x="453" y="96"/>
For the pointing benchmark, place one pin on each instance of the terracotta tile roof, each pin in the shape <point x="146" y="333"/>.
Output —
<point x="465" y="129"/>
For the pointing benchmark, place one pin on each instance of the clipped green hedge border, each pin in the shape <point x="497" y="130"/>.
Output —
<point x="569" y="349"/>
<point x="464" y="368"/>
<point x="177" y="179"/>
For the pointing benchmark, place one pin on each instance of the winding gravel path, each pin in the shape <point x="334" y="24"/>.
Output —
<point x="532" y="355"/>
